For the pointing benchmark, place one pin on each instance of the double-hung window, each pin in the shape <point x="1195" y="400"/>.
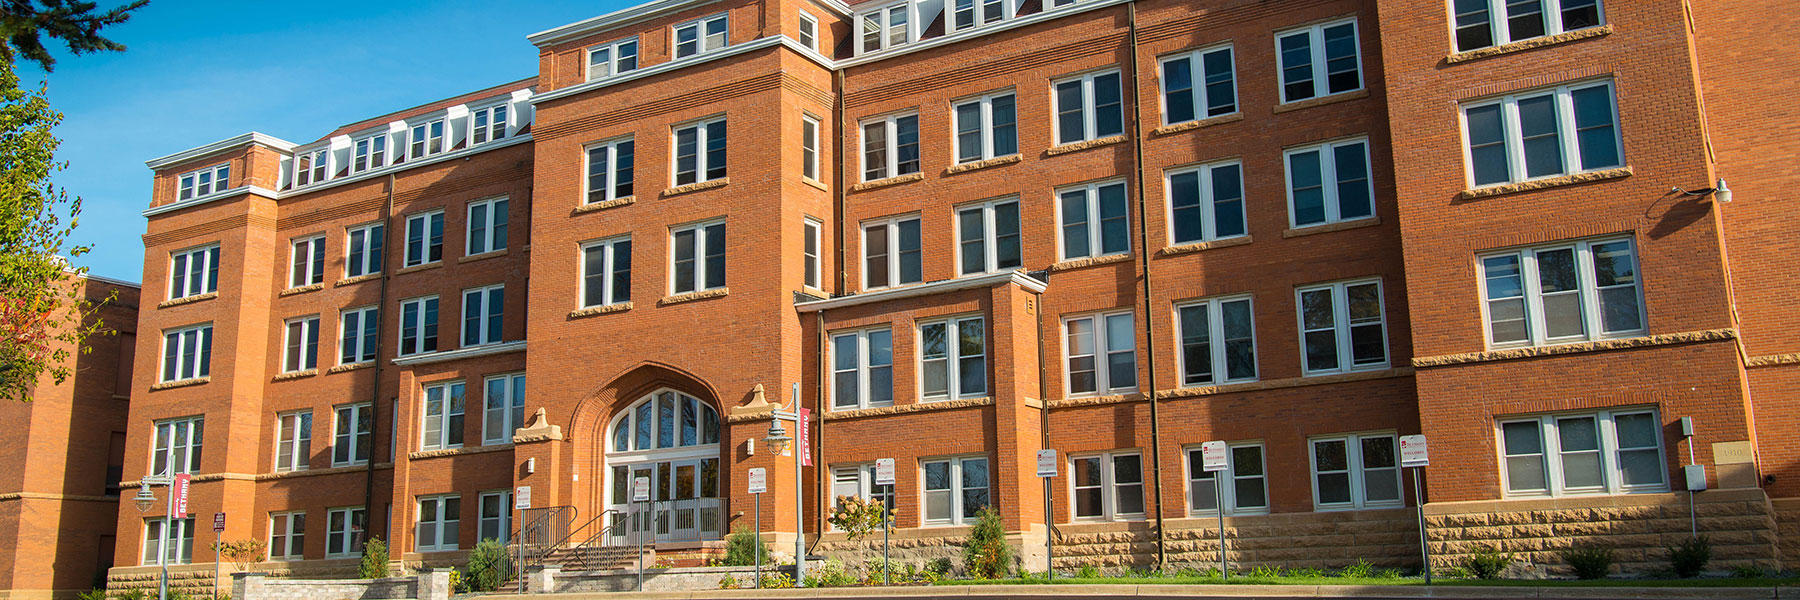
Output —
<point x="1089" y="107"/>
<point x="488" y="124"/>
<point x="1101" y="353"/>
<point x="369" y="153"/>
<point x="301" y="353"/>
<point x="438" y="519"/>
<point x="606" y="272"/>
<point x="487" y="226"/>
<point x="353" y="434"/>
<point x="858" y="481"/>
<point x="1108" y="486"/>
<point x="1319" y="60"/>
<point x="1568" y="292"/>
<point x="1606" y="452"/>
<point x="956" y="489"/>
<point x="362" y="250"/>
<point x="862" y="369"/>
<point x="1198" y="85"/>
<point x="418" y="325"/>
<point x="809" y="31"/>
<point x="700" y="152"/>
<point x="1484" y="23"/>
<point x="1206" y="203"/>
<point x="892" y="254"/>
<point x="1329" y="183"/>
<point x="890" y="146"/>
<point x="885" y="28"/>
<point x="307" y="266"/>
<point x="1355" y="471"/>
<point x="810" y="232"/>
<point x="427" y="139"/>
<point x="987" y="237"/>
<point x="702" y="35"/>
<point x="1543" y="133"/>
<point x="345" y="529"/>
<point x="986" y="127"/>
<point x="484" y="313"/>
<point x="287" y="535"/>
<point x="699" y="257"/>
<point x="424" y="238"/>
<point x="1218" y="341"/>
<point x="1343" y="327"/>
<point x="177" y="448"/>
<point x="609" y="170"/>
<point x="311" y="166"/>
<point x="975" y="13"/>
<point x="1092" y="221"/>
<point x="505" y="411"/>
<point x="210" y="180"/>
<point x="952" y="359"/>
<point x="1247" y="487"/>
<point x="358" y="328"/>
<point x="809" y="147"/>
<point x="187" y="353"/>
<point x="611" y="59"/>
<point x="443" y="427"/>
<point x="496" y="516"/>
<point x="193" y="272"/>
<point x="173" y="541"/>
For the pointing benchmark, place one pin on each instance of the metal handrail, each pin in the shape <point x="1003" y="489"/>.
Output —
<point x="595" y="541"/>
<point x="540" y="551"/>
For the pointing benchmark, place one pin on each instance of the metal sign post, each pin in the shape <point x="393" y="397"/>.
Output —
<point x="884" y="475"/>
<point x="218" y="528"/>
<point x="521" y="502"/>
<point x="1415" y="454"/>
<point x="759" y="483"/>
<point x="640" y="496"/>
<point x="1214" y="458"/>
<point x="1046" y="470"/>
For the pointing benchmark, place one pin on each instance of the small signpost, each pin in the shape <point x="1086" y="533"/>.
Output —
<point x="218" y="528"/>
<point x="522" y="497"/>
<point x="1046" y="470"/>
<point x="640" y="495"/>
<point x="1215" y="458"/>
<point x="884" y="475"/>
<point x="1414" y="454"/>
<point x="759" y="483"/>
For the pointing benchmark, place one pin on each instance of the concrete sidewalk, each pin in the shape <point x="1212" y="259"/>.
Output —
<point x="1213" y="591"/>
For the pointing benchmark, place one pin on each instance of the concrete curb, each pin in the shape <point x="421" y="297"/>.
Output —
<point x="1213" y="591"/>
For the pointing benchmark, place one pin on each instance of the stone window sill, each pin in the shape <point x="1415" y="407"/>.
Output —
<point x="1087" y="145"/>
<point x="600" y="310"/>
<point x="815" y="183"/>
<point x="1665" y="339"/>
<point x="1322" y="101"/>
<point x="693" y="296"/>
<point x="483" y="256"/>
<point x="416" y="268"/>
<point x="358" y="279"/>
<point x="603" y="205"/>
<point x="1192" y="125"/>
<point x="1539" y="184"/>
<point x="458" y="451"/>
<point x="350" y="367"/>
<point x="900" y="409"/>
<point x="1091" y="261"/>
<point x="296" y="375"/>
<point x="169" y="385"/>
<point x="1331" y="227"/>
<point x="1204" y="246"/>
<point x="1099" y="400"/>
<point x="886" y="182"/>
<point x="1530" y="44"/>
<point x="984" y="164"/>
<point x="695" y="187"/>
<point x="302" y="289"/>
<point x="188" y="300"/>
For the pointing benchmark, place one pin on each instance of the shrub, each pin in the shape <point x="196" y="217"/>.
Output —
<point x="489" y="566"/>
<point x="1488" y="563"/>
<point x="93" y="594"/>
<point x="1690" y="557"/>
<point x="1589" y="561"/>
<point x="859" y="518"/>
<point x="1361" y="570"/>
<point x="1087" y="572"/>
<point x="132" y="594"/>
<point x="832" y="574"/>
<point x="987" y="555"/>
<point x="374" y="560"/>
<point x="1748" y="572"/>
<point x="242" y="553"/>
<point x="729" y="583"/>
<point x="777" y="581"/>
<point x="742" y="548"/>
<point x="938" y="566"/>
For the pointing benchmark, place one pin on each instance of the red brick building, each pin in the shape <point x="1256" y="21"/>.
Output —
<point x="973" y="230"/>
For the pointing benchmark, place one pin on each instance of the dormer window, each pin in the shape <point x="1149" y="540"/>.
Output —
<point x="975" y="13"/>
<point x="704" y="35"/>
<point x="884" y="28"/>
<point x="489" y="124"/>
<point x="310" y="166"/>
<point x="612" y="59"/>
<point x="205" y="181"/>
<point x="427" y="139"/>
<point x="371" y="153"/>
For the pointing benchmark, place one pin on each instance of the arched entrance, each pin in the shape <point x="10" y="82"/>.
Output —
<point x="672" y="439"/>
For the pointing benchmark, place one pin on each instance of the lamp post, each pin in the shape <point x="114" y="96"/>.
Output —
<point x="144" y="500"/>
<point x="778" y="442"/>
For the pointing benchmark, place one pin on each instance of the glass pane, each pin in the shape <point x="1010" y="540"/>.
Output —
<point x="1581" y="470"/>
<point x="1377" y="452"/>
<point x="1330" y="456"/>
<point x="1352" y="167"/>
<point x="1131" y="499"/>
<point x="1306" y="181"/>
<point x="1640" y="467"/>
<point x="1487" y="145"/>
<point x="1538" y="128"/>
<point x="1525" y="473"/>
<point x="1636" y="430"/>
<point x="1594" y="133"/>
<point x="1334" y="488"/>
<point x="1577" y="434"/>
<point x="1381" y="485"/>
<point x="1087" y="471"/>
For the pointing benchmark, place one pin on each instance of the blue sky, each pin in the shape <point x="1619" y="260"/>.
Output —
<point x="197" y="72"/>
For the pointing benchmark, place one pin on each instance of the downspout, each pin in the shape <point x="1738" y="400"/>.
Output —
<point x="387" y="215"/>
<point x="819" y="481"/>
<point x="1137" y="148"/>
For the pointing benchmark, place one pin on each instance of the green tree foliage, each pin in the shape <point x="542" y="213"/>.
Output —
<point x="742" y="548"/>
<point x="987" y="555"/>
<point x="489" y="566"/>
<point x="24" y="24"/>
<point x="374" y="560"/>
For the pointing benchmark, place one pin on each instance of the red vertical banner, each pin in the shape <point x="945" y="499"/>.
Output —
<point x="180" y="495"/>
<point x="805" y="437"/>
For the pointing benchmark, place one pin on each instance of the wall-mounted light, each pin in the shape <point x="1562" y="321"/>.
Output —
<point x="530" y="465"/>
<point x="1720" y="191"/>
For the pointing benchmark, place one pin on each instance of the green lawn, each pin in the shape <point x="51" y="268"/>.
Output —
<point x="1408" y="581"/>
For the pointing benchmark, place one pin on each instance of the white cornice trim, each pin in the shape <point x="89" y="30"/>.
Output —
<point x="461" y="353"/>
<point x="652" y="71"/>
<point x="1018" y="278"/>
<point x="809" y="53"/>
<point x="209" y="198"/>
<point x="220" y="146"/>
<point x="1046" y="15"/>
<point x="383" y="171"/>
<point x="621" y="18"/>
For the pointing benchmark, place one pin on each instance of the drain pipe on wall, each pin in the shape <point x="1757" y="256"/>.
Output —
<point x="387" y="215"/>
<point x="1137" y="148"/>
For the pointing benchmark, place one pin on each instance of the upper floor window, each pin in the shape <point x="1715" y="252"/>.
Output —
<point x="308" y="265"/>
<point x="419" y="325"/>
<point x="187" y="353"/>
<point x="952" y="359"/>
<point x="986" y="127"/>
<point x="487" y="226"/>
<point x="1329" y="183"/>
<point x="891" y="253"/>
<point x="885" y="28"/>
<point x="699" y="257"/>
<point x="809" y="30"/>
<point x="700" y="151"/>
<point x="362" y="249"/>
<point x="1092" y="221"/>
<point x="956" y="489"/>
<point x="357" y="335"/>
<point x="1108" y="486"/>
<point x="369" y="153"/>
<point x="974" y="13"/>
<point x="1343" y="327"/>
<point x="1543" y="133"/>
<point x="1483" y="23"/>
<point x="194" y="271"/>
<point x="311" y="166"/>
<point x="1355" y="471"/>
<point x="353" y="434"/>
<point x="809" y="147"/>
<point x="1246" y="488"/>
<point x="1101" y="351"/>
<point x="810" y="229"/>
<point x="890" y="146"/>
<point x="1089" y="107"/>
<point x="1605" y="452"/>
<point x="425" y="238"/>
<point x="703" y="35"/>
<point x="609" y="170"/>
<point x="488" y="124"/>
<point x="205" y="181"/>
<point x="177" y="448"/>
<point x="988" y="238"/>
<point x="287" y="535"/>
<point x="443" y="427"/>
<point x="1199" y="84"/>
<point x="606" y="272"/>
<point x="862" y="366"/>
<point x="611" y="59"/>
<point x="1568" y="292"/>
<point x="484" y="311"/>
<point x="1206" y="203"/>
<point x="427" y="139"/>
<point x="1218" y="341"/>
<point x="302" y="348"/>
<point x="293" y="442"/>
<point x="505" y="408"/>
<point x="1319" y="60"/>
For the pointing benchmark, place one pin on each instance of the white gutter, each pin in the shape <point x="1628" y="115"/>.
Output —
<point x="221" y="146"/>
<point x="1018" y="278"/>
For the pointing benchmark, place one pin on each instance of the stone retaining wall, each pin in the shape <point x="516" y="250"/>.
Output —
<point x="1787" y="529"/>
<point x="434" y="585"/>
<point x="1323" y="540"/>
<point x="678" y="579"/>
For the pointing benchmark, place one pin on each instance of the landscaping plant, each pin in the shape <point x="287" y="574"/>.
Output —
<point x="242" y="553"/>
<point x="1589" y="561"/>
<point x="742" y="548"/>
<point x="489" y="566"/>
<point x="1689" y="558"/>
<point x="859" y="517"/>
<point x="987" y="555"/>
<point x="1361" y="570"/>
<point x="1488" y="563"/>
<point x="1748" y="572"/>
<point x="374" y="560"/>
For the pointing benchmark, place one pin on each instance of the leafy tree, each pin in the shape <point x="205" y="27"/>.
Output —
<point x="23" y="23"/>
<point x="859" y="517"/>
<point x="374" y="563"/>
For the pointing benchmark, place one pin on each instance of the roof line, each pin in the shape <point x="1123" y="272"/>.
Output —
<point x="233" y="143"/>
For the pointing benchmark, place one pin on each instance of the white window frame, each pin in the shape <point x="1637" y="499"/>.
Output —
<point x="1593" y="324"/>
<point x="1197" y="79"/>
<point x="1216" y="340"/>
<point x="977" y="14"/>
<point x="449" y="409"/>
<point x="953" y="357"/>
<point x="986" y="128"/>
<point x="492" y="237"/>
<point x="311" y="166"/>
<point x="1356" y="472"/>
<point x="362" y="343"/>
<point x="497" y="119"/>
<point x="890" y="146"/>
<point x="510" y="411"/>
<point x="1316" y="44"/>
<point x="862" y="475"/>
<point x="892" y="225"/>
<point x="1109" y="487"/>
<point x="1328" y="180"/>
<point x="422" y="324"/>
<point x="1091" y="197"/>
<point x="1341" y="325"/>
<point x="958" y="504"/>
<point x="615" y="58"/>
<point x="701" y="37"/>
<point x="702" y="160"/>
<point x="369" y="153"/>
<point x="217" y="180"/>
<point x="1551" y="455"/>
<point x="812" y="232"/>
<point x="1101" y="323"/>
<point x="293" y="525"/>
<point x="1500" y="34"/>
<point x="426" y="138"/>
<point x="200" y="366"/>
<point x="1209" y="201"/>
<point x="308" y="357"/>
<point x="177" y="459"/>
<point x="885" y="28"/>
<point x="701" y="236"/>
<point x="441" y="519"/>
<point x="1191" y="461"/>
<point x="809" y="31"/>
<point x="862" y="369"/>
<point x="809" y="147"/>
<point x="610" y="252"/>
<point x="1090" y="109"/>
<point x="1567" y="132"/>
<point x="349" y="535"/>
<point x="486" y="332"/>
<point x="425" y="243"/>
<point x="372" y="250"/>
<point x="306" y="261"/>
<point x="615" y="176"/>
<point x="503" y="500"/>
<point x="990" y="241"/>
<point x="187" y="281"/>
<point x="181" y="533"/>
<point x="346" y="420"/>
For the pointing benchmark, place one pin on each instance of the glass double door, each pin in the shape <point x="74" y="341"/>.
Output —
<point x="684" y="501"/>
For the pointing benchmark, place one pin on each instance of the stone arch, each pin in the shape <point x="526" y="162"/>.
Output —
<point x="598" y="406"/>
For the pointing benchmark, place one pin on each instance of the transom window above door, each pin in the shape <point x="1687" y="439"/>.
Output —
<point x="665" y="419"/>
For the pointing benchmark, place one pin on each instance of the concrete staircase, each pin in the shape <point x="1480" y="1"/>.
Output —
<point x="590" y="558"/>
